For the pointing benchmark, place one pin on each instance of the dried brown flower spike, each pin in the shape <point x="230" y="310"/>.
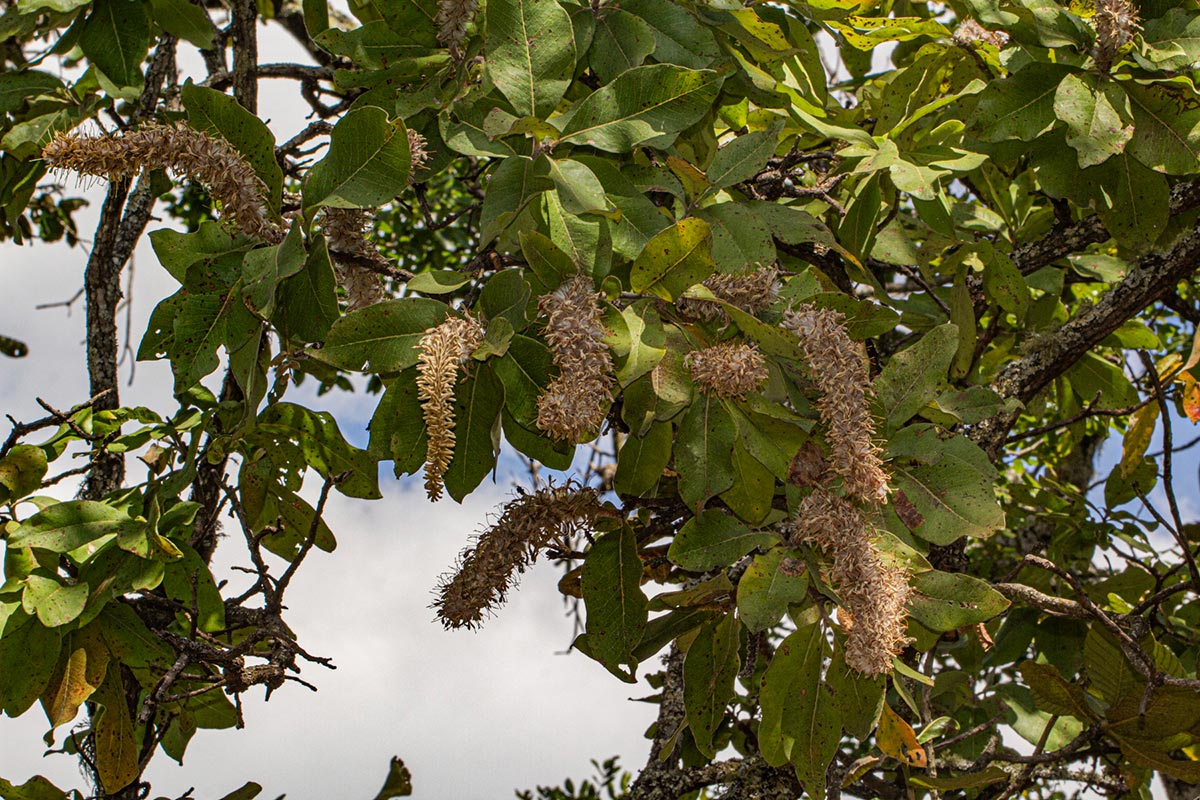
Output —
<point x="485" y="571"/>
<point x="418" y="152"/>
<point x="444" y="350"/>
<point x="353" y="255"/>
<point x="212" y="162"/>
<point x="838" y="367"/>
<point x="730" y="370"/>
<point x="572" y="407"/>
<point x="969" y="31"/>
<point x="872" y="591"/>
<point x="1116" y="23"/>
<point x="452" y="20"/>
<point x="751" y="292"/>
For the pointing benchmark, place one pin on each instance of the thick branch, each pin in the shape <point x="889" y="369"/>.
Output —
<point x="1076" y="237"/>
<point x="1153" y="277"/>
<point x="245" y="53"/>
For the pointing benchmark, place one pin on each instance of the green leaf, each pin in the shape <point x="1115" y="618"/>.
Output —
<point x="264" y="268"/>
<point x="1167" y="138"/>
<point x="1132" y="200"/>
<point x="968" y="780"/>
<point x="772" y="582"/>
<point x="646" y="344"/>
<point x="513" y="185"/>
<point x="679" y="38"/>
<point x="185" y="21"/>
<point x="645" y="105"/>
<point x="642" y="459"/>
<point x="612" y="596"/>
<point x="794" y="673"/>
<point x="709" y="669"/>
<point x="524" y="370"/>
<point x="579" y="189"/>
<point x="1098" y="381"/>
<point x="1053" y="694"/>
<point x="381" y="338"/>
<point x="1111" y="676"/>
<point x="741" y="239"/>
<point x="971" y="405"/>
<point x="205" y="261"/>
<point x="18" y="88"/>
<point x="367" y="165"/>
<point x="55" y="603"/>
<point x="323" y="447"/>
<point x="506" y="294"/>
<point x="64" y="527"/>
<point x="1097" y="117"/>
<point x="530" y="53"/>
<point x="858" y="697"/>
<point x="1020" y="106"/>
<point x="915" y="377"/>
<point x="621" y="42"/>
<point x="28" y="656"/>
<point x="1172" y="40"/>
<point x="21" y="472"/>
<point x="1003" y="283"/>
<point x="945" y="601"/>
<point x="36" y="788"/>
<point x="438" y="281"/>
<point x="130" y="641"/>
<point x="531" y="442"/>
<point x="189" y="581"/>
<point x="753" y="488"/>
<point x="949" y="482"/>
<point x="221" y="115"/>
<point x="307" y="301"/>
<point x="477" y="405"/>
<point x="742" y="158"/>
<point x="674" y="259"/>
<point x="800" y="722"/>
<point x="704" y="450"/>
<point x="549" y="267"/>
<point x="715" y="539"/>
<point x="115" y="38"/>
<point x="398" y="782"/>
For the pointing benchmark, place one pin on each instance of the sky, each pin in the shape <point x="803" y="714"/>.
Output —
<point x="473" y="715"/>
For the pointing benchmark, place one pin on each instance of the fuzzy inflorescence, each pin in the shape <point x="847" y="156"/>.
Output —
<point x="838" y="367"/>
<point x="573" y="406"/>
<point x="730" y="370"/>
<point x="452" y="20"/>
<point x="751" y="292"/>
<point x="1117" y="22"/>
<point x="418" y="152"/>
<point x="487" y="570"/>
<point x="969" y="31"/>
<point x="211" y="161"/>
<point x="353" y="254"/>
<point x="873" y="592"/>
<point x="444" y="350"/>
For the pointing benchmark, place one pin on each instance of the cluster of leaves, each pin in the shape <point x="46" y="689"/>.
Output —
<point x="997" y="217"/>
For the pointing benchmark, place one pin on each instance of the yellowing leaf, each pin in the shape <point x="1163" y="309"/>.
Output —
<point x="897" y="739"/>
<point x="1137" y="437"/>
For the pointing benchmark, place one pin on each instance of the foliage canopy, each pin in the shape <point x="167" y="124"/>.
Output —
<point x="846" y="343"/>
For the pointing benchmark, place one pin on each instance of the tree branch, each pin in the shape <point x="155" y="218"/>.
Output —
<point x="1153" y="277"/>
